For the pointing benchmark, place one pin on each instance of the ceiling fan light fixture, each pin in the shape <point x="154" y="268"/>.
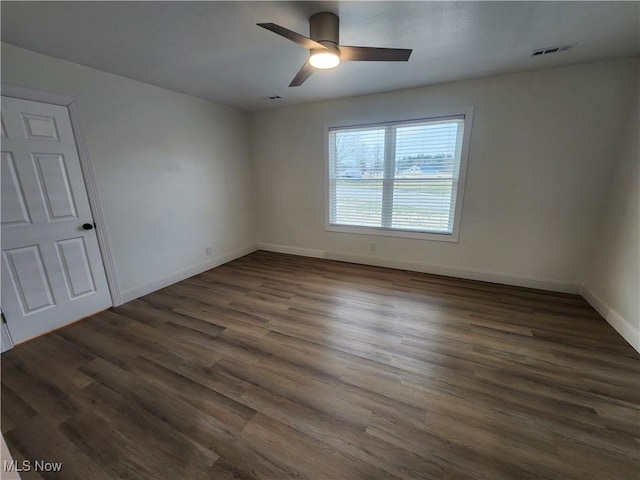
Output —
<point x="324" y="60"/>
<point x="325" y="48"/>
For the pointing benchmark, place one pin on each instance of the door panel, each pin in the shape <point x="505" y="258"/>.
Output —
<point x="52" y="270"/>
<point x="40" y="127"/>
<point x="14" y="207"/>
<point x="29" y="279"/>
<point x="54" y="186"/>
<point x="76" y="267"/>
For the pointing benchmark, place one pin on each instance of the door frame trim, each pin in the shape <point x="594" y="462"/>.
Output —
<point x="73" y="107"/>
<point x="6" y="342"/>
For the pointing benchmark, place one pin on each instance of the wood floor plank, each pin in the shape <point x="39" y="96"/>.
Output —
<point x="275" y="367"/>
<point x="112" y="425"/>
<point x="291" y="447"/>
<point x="416" y="439"/>
<point x="40" y="440"/>
<point x="38" y="391"/>
<point x="214" y="404"/>
<point x="348" y="439"/>
<point x="15" y="411"/>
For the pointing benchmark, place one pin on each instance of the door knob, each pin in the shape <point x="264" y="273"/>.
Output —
<point x="87" y="226"/>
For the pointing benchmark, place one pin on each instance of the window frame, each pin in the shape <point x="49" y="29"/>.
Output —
<point x="466" y="112"/>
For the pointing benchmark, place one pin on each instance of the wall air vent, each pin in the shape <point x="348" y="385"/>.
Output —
<point x="546" y="51"/>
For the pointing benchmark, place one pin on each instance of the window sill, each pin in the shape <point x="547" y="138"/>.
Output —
<point x="388" y="232"/>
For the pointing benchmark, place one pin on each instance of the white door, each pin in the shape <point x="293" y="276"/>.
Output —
<point x="52" y="271"/>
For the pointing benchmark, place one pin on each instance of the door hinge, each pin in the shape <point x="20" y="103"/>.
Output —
<point x="4" y="319"/>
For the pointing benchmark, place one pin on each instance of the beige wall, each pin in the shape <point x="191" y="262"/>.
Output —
<point x="613" y="282"/>
<point x="172" y="170"/>
<point x="541" y="152"/>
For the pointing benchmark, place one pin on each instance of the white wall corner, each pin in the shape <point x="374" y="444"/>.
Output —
<point x="621" y="325"/>
<point x="184" y="274"/>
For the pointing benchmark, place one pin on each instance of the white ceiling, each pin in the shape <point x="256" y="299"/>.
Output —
<point x="214" y="50"/>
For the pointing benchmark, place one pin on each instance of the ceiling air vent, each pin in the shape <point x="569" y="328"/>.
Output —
<point x="546" y="51"/>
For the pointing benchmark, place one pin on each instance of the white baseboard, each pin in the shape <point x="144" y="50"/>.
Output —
<point x="302" y="252"/>
<point x="183" y="274"/>
<point x="471" y="274"/>
<point x="482" y="275"/>
<point x="630" y="333"/>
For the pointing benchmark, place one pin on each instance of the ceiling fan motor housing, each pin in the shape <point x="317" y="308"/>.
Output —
<point x="325" y="27"/>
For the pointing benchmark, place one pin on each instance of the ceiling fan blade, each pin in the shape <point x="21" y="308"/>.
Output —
<point x="304" y="73"/>
<point x="291" y="35"/>
<point x="372" y="54"/>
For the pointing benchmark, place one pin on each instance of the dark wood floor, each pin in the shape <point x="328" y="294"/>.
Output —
<point x="280" y="367"/>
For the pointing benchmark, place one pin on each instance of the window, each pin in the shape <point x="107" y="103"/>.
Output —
<point x="401" y="178"/>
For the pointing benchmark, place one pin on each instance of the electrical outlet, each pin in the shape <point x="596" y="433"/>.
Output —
<point x="372" y="246"/>
<point x="208" y="250"/>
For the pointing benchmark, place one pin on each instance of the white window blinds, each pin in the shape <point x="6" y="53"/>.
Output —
<point x="396" y="176"/>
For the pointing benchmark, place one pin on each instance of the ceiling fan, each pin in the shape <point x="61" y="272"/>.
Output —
<point x="325" y="49"/>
